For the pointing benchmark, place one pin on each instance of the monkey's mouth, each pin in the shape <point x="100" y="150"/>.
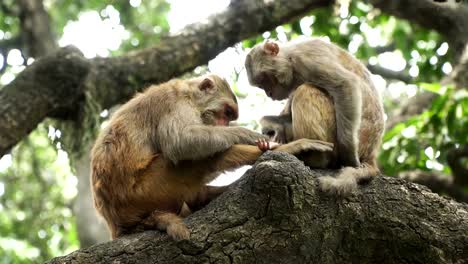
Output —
<point x="221" y="122"/>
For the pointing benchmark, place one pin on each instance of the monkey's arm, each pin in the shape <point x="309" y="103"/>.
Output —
<point x="345" y="88"/>
<point x="186" y="138"/>
<point x="239" y="155"/>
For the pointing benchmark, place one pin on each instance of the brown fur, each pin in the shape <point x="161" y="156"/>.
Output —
<point x="313" y="116"/>
<point x="151" y="164"/>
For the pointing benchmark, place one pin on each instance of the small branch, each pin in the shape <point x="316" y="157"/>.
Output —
<point x="414" y="106"/>
<point x="387" y="48"/>
<point x="459" y="171"/>
<point x="389" y="74"/>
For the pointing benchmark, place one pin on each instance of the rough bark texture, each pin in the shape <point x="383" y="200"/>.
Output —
<point x="274" y="214"/>
<point x="113" y="80"/>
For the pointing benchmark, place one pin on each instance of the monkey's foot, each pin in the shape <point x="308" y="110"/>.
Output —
<point x="178" y="231"/>
<point x="344" y="184"/>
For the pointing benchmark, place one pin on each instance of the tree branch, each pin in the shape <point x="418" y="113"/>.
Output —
<point x="420" y="102"/>
<point x="275" y="214"/>
<point x="113" y="80"/>
<point x="36" y="33"/>
<point x="439" y="183"/>
<point x="389" y="74"/>
<point x="459" y="170"/>
<point x="51" y="84"/>
<point x="449" y="20"/>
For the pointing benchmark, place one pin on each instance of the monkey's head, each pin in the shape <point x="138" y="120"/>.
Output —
<point x="215" y="100"/>
<point x="277" y="128"/>
<point x="270" y="70"/>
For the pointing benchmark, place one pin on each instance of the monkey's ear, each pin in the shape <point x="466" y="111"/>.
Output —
<point x="271" y="48"/>
<point x="207" y="85"/>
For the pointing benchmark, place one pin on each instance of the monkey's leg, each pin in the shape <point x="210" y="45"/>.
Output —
<point x="236" y="156"/>
<point x="169" y="222"/>
<point x="305" y="144"/>
<point x="348" y="179"/>
<point x="313" y="116"/>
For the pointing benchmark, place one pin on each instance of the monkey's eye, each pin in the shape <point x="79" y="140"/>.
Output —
<point x="230" y="113"/>
<point x="262" y="79"/>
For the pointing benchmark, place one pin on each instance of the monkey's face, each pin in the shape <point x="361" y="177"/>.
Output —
<point x="270" y="84"/>
<point x="274" y="128"/>
<point x="269" y="70"/>
<point x="217" y="103"/>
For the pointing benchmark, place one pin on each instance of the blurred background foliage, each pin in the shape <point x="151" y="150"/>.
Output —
<point x="37" y="185"/>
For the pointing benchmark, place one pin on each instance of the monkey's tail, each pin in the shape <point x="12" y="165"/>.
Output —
<point x="348" y="179"/>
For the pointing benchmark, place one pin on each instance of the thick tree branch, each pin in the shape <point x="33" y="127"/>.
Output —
<point x="275" y="214"/>
<point x="447" y="19"/>
<point x="113" y="80"/>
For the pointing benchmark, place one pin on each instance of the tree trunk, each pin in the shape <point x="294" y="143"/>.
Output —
<point x="83" y="207"/>
<point x="275" y="214"/>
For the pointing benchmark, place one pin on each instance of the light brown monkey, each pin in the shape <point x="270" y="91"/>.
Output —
<point x="279" y="70"/>
<point x="150" y="165"/>
<point x="310" y="114"/>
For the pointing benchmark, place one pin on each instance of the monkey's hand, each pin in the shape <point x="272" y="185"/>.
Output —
<point x="305" y="144"/>
<point x="265" y="145"/>
<point x="247" y="136"/>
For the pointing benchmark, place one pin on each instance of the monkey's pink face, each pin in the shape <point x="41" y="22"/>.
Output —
<point x="223" y="116"/>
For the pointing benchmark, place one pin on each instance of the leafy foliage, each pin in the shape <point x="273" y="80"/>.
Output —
<point x="36" y="221"/>
<point x="422" y="142"/>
